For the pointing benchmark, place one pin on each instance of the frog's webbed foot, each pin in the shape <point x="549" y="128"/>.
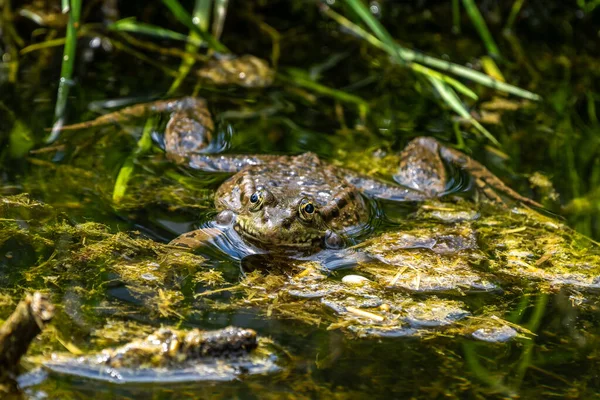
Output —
<point x="196" y="239"/>
<point x="422" y="169"/>
<point x="189" y="130"/>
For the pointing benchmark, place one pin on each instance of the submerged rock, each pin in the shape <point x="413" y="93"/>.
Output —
<point x="170" y="355"/>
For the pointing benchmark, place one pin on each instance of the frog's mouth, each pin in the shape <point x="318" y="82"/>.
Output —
<point x="304" y="241"/>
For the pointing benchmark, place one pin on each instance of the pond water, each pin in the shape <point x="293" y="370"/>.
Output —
<point x="86" y="217"/>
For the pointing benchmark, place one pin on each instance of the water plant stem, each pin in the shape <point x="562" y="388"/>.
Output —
<point x="66" y="71"/>
<point x="481" y="28"/>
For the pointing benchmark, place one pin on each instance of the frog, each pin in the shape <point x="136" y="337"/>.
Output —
<point x="300" y="203"/>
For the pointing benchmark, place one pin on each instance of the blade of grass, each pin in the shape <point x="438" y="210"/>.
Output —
<point x="449" y="80"/>
<point x="275" y="39"/>
<point x="475" y="76"/>
<point x="143" y="146"/>
<point x="481" y="27"/>
<point x="591" y="108"/>
<point x="456" y="16"/>
<point x="324" y="90"/>
<point x="363" y="12"/>
<point x="452" y="99"/>
<point x="527" y="352"/>
<point x="161" y="49"/>
<point x="43" y="45"/>
<point x="445" y="66"/>
<point x="131" y="25"/>
<point x="514" y="11"/>
<point x="491" y="68"/>
<point x="186" y="19"/>
<point x="66" y="71"/>
<point x="201" y="19"/>
<point x="82" y="31"/>
<point x="141" y="56"/>
<point x="123" y="179"/>
<point x="471" y="357"/>
<point x="219" y="14"/>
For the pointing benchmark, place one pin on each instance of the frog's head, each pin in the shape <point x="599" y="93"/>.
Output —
<point x="290" y="220"/>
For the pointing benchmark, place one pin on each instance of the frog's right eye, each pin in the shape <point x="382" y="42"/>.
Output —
<point x="257" y="200"/>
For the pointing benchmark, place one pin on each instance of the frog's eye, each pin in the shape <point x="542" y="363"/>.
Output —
<point x="307" y="209"/>
<point x="257" y="200"/>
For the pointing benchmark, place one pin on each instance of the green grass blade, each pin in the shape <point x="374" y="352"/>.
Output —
<point x="131" y="25"/>
<point x="323" y="90"/>
<point x="482" y="28"/>
<point x="456" y="16"/>
<point x="451" y="98"/>
<point x="449" y="80"/>
<point x="43" y="45"/>
<point x="514" y="11"/>
<point x="219" y="14"/>
<point x="143" y="146"/>
<point x="351" y="26"/>
<point x="201" y="18"/>
<point x="66" y="71"/>
<point x="473" y="75"/>
<point x="379" y="30"/>
<point x="65" y="6"/>
<point x="446" y="66"/>
<point x="185" y="18"/>
<point x="123" y="179"/>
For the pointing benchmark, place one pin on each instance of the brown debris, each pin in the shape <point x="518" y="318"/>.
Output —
<point x="24" y="324"/>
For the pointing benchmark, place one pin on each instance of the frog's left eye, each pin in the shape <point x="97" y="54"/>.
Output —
<point x="257" y="200"/>
<point x="307" y="209"/>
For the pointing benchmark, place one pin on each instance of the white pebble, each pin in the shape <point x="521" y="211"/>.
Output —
<point x="354" y="280"/>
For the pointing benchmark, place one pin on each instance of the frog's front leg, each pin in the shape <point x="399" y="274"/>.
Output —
<point x="422" y="168"/>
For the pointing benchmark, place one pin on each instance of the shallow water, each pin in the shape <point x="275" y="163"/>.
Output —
<point x="554" y="52"/>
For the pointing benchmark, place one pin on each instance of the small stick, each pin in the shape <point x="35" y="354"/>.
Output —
<point x="23" y="325"/>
